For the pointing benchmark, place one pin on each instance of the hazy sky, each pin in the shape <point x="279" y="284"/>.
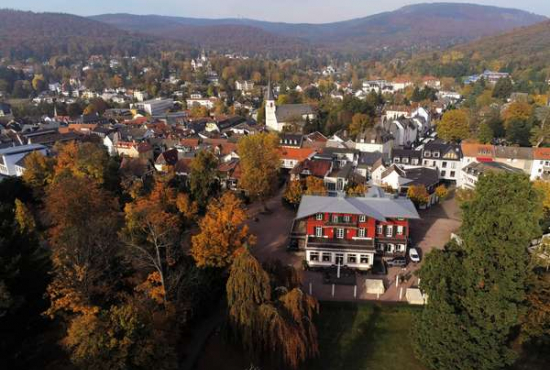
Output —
<point x="313" y="11"/>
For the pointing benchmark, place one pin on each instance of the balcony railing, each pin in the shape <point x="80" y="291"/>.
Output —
<point x="319" y="243"/>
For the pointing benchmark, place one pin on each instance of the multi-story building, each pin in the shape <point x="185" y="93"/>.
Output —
<point x="445" y="157"/>
<point x="12" y="159"/>
<point x="351" y="231"/>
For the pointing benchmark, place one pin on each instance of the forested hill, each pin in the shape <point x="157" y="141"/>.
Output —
<point x="42" y="35"/>
<point x="412" y="27"/>
<point x="527" y="47"/>
<point x="523" y="52"/>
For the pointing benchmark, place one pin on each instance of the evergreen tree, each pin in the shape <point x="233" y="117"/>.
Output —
<point x="477" y="290"/>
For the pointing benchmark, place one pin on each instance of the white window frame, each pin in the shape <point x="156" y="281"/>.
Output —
<point x="362" y="233"/>
<point x="347" y="218"/>
<point x="319" y="217"/>
<point x="318" y="232"/>
<point x="389" y="231"/>
<point x="335" y="219"/>
<point x="427" y="154"/>
<point x="363" y="218"/>
<point x="340" y="233"/>
<point x="312" y="254"/>
<point x="379" y="229"/>
<point x="400" y="230"/>
<point x="325" y="254"/>
<point x="364" y="259"/>
<point x="352" y="255"/>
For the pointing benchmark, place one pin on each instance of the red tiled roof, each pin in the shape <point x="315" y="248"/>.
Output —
<point x="299" y="154"/>
<point x="541" y="153"/>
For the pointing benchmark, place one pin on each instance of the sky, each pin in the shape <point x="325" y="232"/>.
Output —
<point x="310" y="11"/>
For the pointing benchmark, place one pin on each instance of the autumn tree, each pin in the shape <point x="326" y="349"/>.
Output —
<point x="38" y="172"/>
<point x="418" y="194"/>
<point x="359" y="123"/>
<point x="202" y="179"/>
<point x="454" y="126"/>
<point x="540" y="133"/>
<point x="517" y="110"/>
<point x="270" y="319"/>
<point x="442" y="192"/>
<point x="260" y="162"/>
<point x="121" y="337"/>
<point x="222" y="232"/>
<point x="153" y="230"/>
<point x="293" y="193"/>
<point x="315" y="186"/>
<point x="83" y="222"/>
<point x="356" y="190"/>
<point x="86" y="160"/>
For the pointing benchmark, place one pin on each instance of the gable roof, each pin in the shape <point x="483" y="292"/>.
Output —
<point x="477" y="150"/>
<point x="541" y="153"/>
<point x="378" y="207"/>
<point x="299" y="154"/>
<point x="292" y="111"/>
<point x="318" y="168"/>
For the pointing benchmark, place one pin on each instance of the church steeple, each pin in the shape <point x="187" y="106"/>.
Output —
<point x="269" y="92"/>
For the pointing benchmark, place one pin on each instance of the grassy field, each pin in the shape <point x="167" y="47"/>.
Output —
<point x="365" y="336"/>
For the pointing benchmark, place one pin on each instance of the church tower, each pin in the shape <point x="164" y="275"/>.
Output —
<point x="270" y="110"/>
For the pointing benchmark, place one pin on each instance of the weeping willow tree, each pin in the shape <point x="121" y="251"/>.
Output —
<point x="269" y="318"/>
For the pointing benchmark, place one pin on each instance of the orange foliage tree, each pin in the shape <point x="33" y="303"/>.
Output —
<point x="83" y="221"/>
<point x="418" y="194"/>
<point x="222" y="232"/>
<point x="153" y="232"/>
<point x="315" y="186"/>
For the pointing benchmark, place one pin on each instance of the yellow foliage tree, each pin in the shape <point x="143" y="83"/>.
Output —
<point x="454" y="126"/>
<point x="357" y="190"/>
<point x="441" y="192"/>
<point x="260" y="162"/>
<point x="517" y="110"/>
<point x="418" y="194"/>
<point x="544" y="189"/>
<point x="222" y="232"/>
<point x="293" y="193"/>
<point x="315" y="186"/>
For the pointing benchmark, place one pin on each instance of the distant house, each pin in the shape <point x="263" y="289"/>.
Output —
<point x="134" y="150"/>
<point x="311" y="167"/>
<point x="244" y="85"/>
<point x="155" y="107"/>
<point x="166" y="159"/>
<point x="290" y="157"/>
<point x="5" y="110"/>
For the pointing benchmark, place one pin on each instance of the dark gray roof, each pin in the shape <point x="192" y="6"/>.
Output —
<point x="422" y="176"/>
<point x="443" y="148"/>
<point x="479" y="168"/>
<point x="288" y="112"/>
<point x="369" y="159"/>
<point x="373" y="205"/>
<point x="406" y="153"/>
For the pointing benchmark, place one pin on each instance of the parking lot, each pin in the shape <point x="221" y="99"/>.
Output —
<point x="433" y="230"/>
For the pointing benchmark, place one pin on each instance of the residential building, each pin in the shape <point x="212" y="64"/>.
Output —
<point x="351" y="231"/>
<point x="155" y="107"/>
<point x="475" y="170"/>
<point x="12" y="158"/>
<point x="445" y="157"/>
<point x="244" y="85"/>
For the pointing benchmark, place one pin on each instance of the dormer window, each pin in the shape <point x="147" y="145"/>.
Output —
<point x="319" y="217"/>
<point x="427" y="154"/>
<point x="405" y="160"/>
<point x="436" y="154"/>
<point x="414" y="161"/>
<point x="396" y="160"/>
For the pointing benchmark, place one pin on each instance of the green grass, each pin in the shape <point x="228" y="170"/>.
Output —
<point x="365" y="336"/>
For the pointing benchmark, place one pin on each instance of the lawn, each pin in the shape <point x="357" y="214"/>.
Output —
<point x="365" y="336"/>
<point x="352" y="336"/>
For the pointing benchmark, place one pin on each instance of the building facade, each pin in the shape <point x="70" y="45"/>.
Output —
<point x="351" y="231"/>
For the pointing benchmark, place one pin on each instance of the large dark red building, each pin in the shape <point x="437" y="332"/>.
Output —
<point x="350" y="231"/>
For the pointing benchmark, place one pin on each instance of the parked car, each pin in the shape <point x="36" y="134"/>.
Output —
<point x="414" y="256"/>
<point x="397" y="262"/>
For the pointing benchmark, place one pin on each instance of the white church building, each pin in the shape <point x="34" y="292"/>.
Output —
<point x="277" y="117"/>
